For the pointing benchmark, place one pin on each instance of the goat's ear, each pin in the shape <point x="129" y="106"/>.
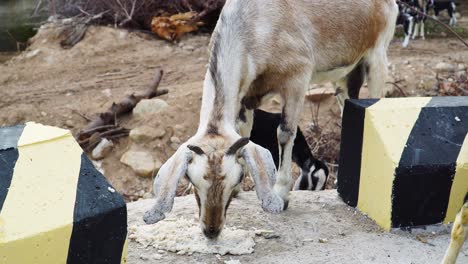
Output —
<point x="263" y="171"/>
<point x="165" y="184"/>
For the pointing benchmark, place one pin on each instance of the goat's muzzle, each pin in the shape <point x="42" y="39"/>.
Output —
<point x="211" y="232"/>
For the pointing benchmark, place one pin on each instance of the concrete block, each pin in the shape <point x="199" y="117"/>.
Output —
<point x="404" y="161"/>
<point x="55" y="207"/>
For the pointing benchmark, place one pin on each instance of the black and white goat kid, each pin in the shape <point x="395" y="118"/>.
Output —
<point x="314" y="173"/>
<point x="439" y="6"/>
<point x="406" y="20"/>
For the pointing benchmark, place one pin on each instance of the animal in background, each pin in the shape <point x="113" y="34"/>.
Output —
<point x="314" y="173"/>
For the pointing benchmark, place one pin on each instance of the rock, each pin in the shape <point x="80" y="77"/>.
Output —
<point x="157" y="165"/>
<point x="141" y="162"/>
<point x="175" y="146"/>
<point x="69" y="123"/>
<point x="444" y="67"/>
<point x="175" y="140"/>
<point x="146" y="133"/>
<point x="461" y="67"/>
<point x="149" y="106"/>
<point x="319" y="94"/>
<point x="123" y="34"/>
<point x="107" y="92"/>
<point x="32" y="54"/>
<point x="188" y="47"/>
<point x="179" y="128"/>
<point x="102" y="149"/>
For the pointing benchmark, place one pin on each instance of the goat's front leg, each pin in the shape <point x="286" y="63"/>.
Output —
<point x="293" y="93"/>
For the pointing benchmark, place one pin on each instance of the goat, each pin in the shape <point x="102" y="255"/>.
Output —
<point x="419" y="17"/>
<point x="314" y="172"/>
<point x="260" y="47"/>
<point x="438" y="6"/>
<point x="458" y="236"/>
<point x="405" y="19"/>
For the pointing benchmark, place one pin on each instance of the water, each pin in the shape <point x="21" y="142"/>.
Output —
<point x="17" y="23"/>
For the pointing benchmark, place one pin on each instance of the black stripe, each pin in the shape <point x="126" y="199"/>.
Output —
<point x="9" y="137"/>
<point x="425" y="173"/>
<point x="352" y="132"/>
<point x="7" y="165"/>
<point x="100" y="219"/>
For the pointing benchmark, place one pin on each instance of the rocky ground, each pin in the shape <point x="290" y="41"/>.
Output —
<point x="317" y="228"/>
<point x="56" y="86"/>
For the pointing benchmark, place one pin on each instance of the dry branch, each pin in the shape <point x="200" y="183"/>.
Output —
<point x="105" y="124"/>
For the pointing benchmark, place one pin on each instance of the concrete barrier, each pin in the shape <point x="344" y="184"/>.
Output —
<point x="55" y="207"/>
<point x="404" y="161"/>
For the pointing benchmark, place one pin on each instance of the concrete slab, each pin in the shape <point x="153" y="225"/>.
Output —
<point x="317" y="228"/>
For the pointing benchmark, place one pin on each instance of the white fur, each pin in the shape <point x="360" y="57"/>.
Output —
<point x="320" y="174"/>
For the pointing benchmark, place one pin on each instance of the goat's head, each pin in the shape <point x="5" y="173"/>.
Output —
<point x="215" y="169"/>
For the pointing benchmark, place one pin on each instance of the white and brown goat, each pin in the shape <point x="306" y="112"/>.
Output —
<point x="260" y="47"/>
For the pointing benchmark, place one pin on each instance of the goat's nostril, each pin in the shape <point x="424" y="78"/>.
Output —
<point x="211" y="232"/>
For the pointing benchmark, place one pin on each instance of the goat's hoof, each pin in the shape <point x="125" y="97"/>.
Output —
<point x="273" y="205"/>
<point x="286" y="204"/>
<point x="153" y="216"/>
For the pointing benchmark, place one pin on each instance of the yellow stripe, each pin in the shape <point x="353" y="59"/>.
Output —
<point x="460" y="184"/>
<point x="387" y="126"/>
<point x="123" y="260"/>
<point x="37" y="215"/>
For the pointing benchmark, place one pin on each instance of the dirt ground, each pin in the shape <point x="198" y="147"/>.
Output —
<point x="317" y="228"/>
<point x="53" y="86"/>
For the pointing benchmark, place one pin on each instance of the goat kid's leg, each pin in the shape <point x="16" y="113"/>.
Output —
<point x="341" y="90"/>
<point x="422" y="33"/>
<point x="245" y="121"/>
<point x="377" y="72"/>
<point x="293" y="94"/>
<point x="416" y="29"/>
<point x="350" y="86"/>
<point x="408" y="26"/>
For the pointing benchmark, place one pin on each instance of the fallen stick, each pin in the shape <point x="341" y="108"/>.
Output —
<point x="105" y="124"/>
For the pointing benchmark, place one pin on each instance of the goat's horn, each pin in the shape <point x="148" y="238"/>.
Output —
<point x="240" y="143"/>
<point x="196" y="149"/>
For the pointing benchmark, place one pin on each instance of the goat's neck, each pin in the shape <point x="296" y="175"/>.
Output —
<point x="226" y="81"/>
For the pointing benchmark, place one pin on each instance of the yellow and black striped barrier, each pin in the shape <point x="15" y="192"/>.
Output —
<point x="55" y="207"/>
<point x="404" y="161"/>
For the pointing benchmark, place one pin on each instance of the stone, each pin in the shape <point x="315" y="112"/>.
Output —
<point x="157" y="165"/>
<point x="175" y="140"/>
<point x="175" y="146"/>
<point x="32" y="54"/>
<point x="141" y="162"/>
<point x="461" y="67"/>
<point x="319" y="94"/>
<point x="188" y="48"/>
<point x="149" y="106"/>
<point x="444" y="67"/>
<point x="146" y="133"/>
<point x="102" y="149"/>
<point x="107" y="92"/>
<point x="179" y="128"/>
<point x="69" y="123"/>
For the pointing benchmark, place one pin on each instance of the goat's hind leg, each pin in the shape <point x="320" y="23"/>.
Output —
<point x="292" y="92"/>
<point x="376" y="67"/>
